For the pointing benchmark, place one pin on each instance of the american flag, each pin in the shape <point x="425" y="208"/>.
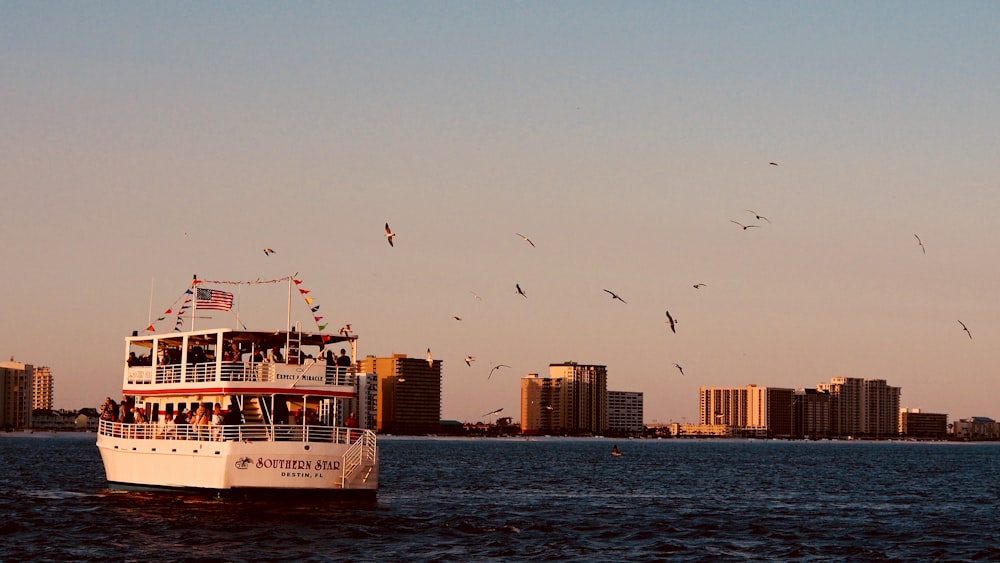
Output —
<point x="214" y="299"/>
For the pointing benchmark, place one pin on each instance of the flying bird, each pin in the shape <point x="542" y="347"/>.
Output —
<point x="496" y="367"/>
<point x="268" y="252"/>
<point x="389" y="234"/>
<point x="671" y="322"/>
<point x="615" y="296"/>
<point x="758" y="216"/>
<point x="491" y="413"/>
<point x="965" y="328"/>
<point x="698" y="285"/>
<point x="920" y="243"/>
<point x="773" y="163"/>
<point x="745" y="227"/>
<point x="526" y="239"/>
<point x="456" y="317"/>
<point x="469" y="360"/>
<point x="679" y="368"/>
<point x="519" y="290"/>
<point x="430" y="358"/>
<point x="476" y="295"/>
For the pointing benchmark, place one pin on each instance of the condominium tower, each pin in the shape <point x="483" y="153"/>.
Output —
<point x="409" y="393"/>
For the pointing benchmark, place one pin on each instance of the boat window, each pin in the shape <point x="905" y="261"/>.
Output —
<point x="168" y="411"/>
<point x="153" y="411"/>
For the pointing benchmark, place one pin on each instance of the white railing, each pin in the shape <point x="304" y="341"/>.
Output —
<point x="360" y="458"/>
<point x="226" y="371"/>
<point x="241" y="432"/>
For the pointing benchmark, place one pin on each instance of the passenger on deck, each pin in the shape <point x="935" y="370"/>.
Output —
<point x="351" y="421"/>
<point x="216" y="422"/>
<point x="331" y="358"/>
<point x="344" y="360"/>
<point x="132" y="359"/>
<point x="181" y="424"/>
<point x="275" y="355"/>
<point x="167" y="427"/>
<point x="201" y="422"/>
<point x="197" y="355"/>
<point x="230" y="421"/>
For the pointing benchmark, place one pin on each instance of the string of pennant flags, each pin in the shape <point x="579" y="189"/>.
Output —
<point x="222" y="300"/>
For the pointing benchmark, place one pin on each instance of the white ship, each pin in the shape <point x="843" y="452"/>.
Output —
<point x="276" y="396"/>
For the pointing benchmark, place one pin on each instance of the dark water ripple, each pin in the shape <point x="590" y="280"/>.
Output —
<point x="544" y="500"/>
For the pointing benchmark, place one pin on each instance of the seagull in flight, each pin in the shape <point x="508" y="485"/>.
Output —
<point x="430" y="358"/>
<point x="698" y="285"/>
<point x="966" y="329"/>
<point x="526" y="239"/>
<point x="920" y="243"/>
<point x="469" y="360"/>
<point x="491" y="413"/>
<point x="476" y="295"/>
<point x="519" y="290"/>
<point x="773" y="163"/>
<point x="678" y="366"/>
<point x="615" y="296"/>
<point x="758" y="216"/>
<point x="745" y="227"/>
<point x="496" y="367"/>
<point x="389" y="234"/>
<point x="456" y="317"/>
<point x="671" y="322"/>
<point x="268" y="252"/>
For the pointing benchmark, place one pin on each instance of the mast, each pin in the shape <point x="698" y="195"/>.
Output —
<point x="194" y="301"/>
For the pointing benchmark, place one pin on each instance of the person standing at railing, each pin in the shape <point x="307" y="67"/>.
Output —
<point x="201" y="422"/>
<point x="181" y="424"/>
<point x="230" y="421"/>
<point x="167" y="427"/>
<point x="215" y="424"/>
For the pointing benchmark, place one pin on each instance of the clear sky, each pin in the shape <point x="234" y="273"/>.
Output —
<point x="144" y="142"/>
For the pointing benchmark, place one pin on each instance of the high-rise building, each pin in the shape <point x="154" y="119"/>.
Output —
<point x="542" y="408"/>
<point x="753" y="410"/>
<point x="810" y="414"/>
<point x="880" y="409"/>
<point x="722" y="406"/>
<point x="584" y="396"/>
<point x="15" y="394"/>
<point x="625" y="413"/>
<point x="409" y="394"/>
<point x="846" y="396"/>
<point x="41" y="388"/>
<point x="769" y="411"/>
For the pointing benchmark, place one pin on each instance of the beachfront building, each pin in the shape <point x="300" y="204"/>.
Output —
<point x="625" y="413"/>
<point x="769" y="411"/>
<point x="572" y="400"/>
<point x="409" y="394"/>
<point x="913" y="423"/>
<point x="749" y="411"/>
<point x="15" y="395"/>
<point x="976" y="428"/>
<point x="879" y="409"/>
<point x="810" y="414"/>
<point x="41" y="388"/>
<point x="542" y="409"/>
<point x="722" y="406"/>
<point x="584" y="396"/>
<point x="845" y="405"/>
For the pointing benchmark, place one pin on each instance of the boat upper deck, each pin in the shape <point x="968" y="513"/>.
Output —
<point x="239" y="359"/>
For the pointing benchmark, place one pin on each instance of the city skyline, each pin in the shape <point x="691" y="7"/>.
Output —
<point x="145" y="144"/>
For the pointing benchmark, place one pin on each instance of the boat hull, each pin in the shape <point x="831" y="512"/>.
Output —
<point x="208" y="465"/>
